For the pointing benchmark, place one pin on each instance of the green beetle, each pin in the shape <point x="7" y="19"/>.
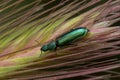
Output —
<point x="66" y="38"/>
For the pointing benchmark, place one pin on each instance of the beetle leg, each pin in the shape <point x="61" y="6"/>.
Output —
<point x="41" y="54"/>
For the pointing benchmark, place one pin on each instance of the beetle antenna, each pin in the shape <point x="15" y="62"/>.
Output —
<point x="37" y="41"/>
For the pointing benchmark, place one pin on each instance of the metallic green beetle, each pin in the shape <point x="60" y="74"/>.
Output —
<point x="66" y="38"/>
